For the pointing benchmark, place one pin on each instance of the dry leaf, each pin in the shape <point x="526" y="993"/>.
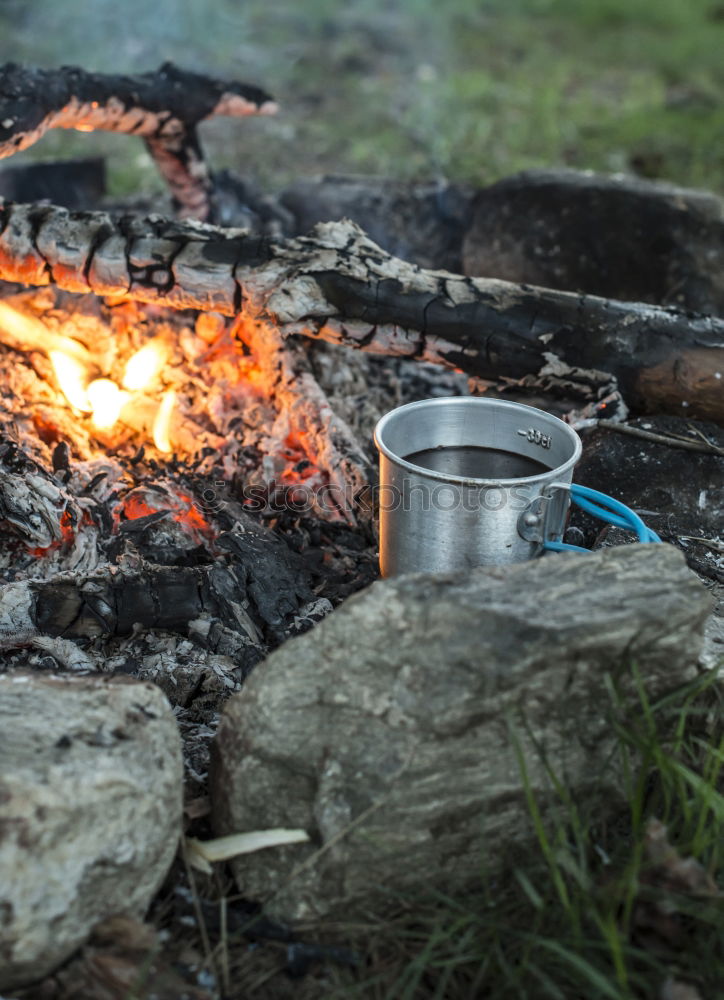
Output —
<point x="202" y="852"/>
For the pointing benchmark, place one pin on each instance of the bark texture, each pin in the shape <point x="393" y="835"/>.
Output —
<point x="337" y="285"/>
<point x="163" y="107"/>
<point x="90" y="812"/>
<point x="359" y="745"/>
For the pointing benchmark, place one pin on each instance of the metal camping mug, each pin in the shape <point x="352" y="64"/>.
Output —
<point x="467" y="481"/>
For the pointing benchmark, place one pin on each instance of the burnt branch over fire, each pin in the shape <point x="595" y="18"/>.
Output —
<point x="337" y="285"/>
<point x="163" y="108"/>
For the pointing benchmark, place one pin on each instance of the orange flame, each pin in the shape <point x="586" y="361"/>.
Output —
<point x="143" y="367"/>
<point x="73" y="366"/>
<point x="106" y="401"/>
<point x="72" y="376"/>
<point x="162" y="423"/>
<point x="23" y="332"/>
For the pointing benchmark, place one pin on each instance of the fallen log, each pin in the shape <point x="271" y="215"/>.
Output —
<point x="163" y="107"/>
<point x="337" y="285"/>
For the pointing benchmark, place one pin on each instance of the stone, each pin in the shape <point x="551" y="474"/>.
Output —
<point x="384" y="733"/>
<point x="74" y="184"/>
<point x="615" y="236"/>
<point x="90" y="811"/>
<point x="420" y="222"/>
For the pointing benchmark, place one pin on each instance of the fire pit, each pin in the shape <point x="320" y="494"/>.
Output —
<point x="187" y="473"/>
<point x="165" y="437"/>
<point x="132" y="433"/>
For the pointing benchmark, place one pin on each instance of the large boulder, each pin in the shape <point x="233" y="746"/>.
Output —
<point x="615" y="236"/>
<point x="385" y="733"/>
<point x="90" y="810"/>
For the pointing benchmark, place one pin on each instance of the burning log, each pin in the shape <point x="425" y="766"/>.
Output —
<point x="228" y="390"/>
<point x="163" y="107"/>
<point x="337" y="285"/>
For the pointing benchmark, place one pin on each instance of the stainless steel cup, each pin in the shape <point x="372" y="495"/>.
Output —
<point x="470" y="482"/>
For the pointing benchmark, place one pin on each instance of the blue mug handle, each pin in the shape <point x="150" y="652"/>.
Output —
<point x="607" y="509"/>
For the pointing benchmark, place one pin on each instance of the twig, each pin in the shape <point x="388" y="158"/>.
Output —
<point x="711" y="543"/>
<point x="211" y="964"/>
<point x="670" y="441"/>
<point x="224" y="943"/>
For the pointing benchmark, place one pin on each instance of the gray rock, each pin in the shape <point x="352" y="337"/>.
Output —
<point x="90" y="809"/>
<point x="420" y="222"/>
<point x="384" y="731"/>
<point x="620" y="237"/>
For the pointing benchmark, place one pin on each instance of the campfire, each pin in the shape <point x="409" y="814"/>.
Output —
<point x="99" y="397"/>
<point x="187" y="475"/>
<point x="146" y="454"/>
<point x="158" y="399"/>
<point x="160" y="410"/>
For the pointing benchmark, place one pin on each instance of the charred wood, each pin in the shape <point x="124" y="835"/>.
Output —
<point x="33" y="505"/>
<point x="249" y="593"/>
<point x="337" y="285"/>
<point x="162" y="107"/>
<point x="258" y="597"/>
<point x="77" y="183"/>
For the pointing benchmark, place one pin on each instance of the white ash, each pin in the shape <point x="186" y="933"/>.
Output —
<point x="362" y="387"/>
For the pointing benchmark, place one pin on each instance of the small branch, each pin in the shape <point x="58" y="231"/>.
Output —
<point x="666" y="439"/>
<point x="162" y="107"/>
<point x="711" y="543"/>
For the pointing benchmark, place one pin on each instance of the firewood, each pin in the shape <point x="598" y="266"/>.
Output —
<point x="337" y="285"/>
<point x="33" y="505"/>
<point x="213" y="604"/>
<point x="163" y="107"/>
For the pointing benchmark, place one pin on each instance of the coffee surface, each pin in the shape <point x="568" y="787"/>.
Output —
<point x="472" y="462"/>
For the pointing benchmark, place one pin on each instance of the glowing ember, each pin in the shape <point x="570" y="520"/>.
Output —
<point x="106" y="401"/>
<point x="162" y="423"/>
<point x="72" y="376"/>
<point x="67" y="535"/>
<point x="182" y="506"/>
<point x="145" y="365"/>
